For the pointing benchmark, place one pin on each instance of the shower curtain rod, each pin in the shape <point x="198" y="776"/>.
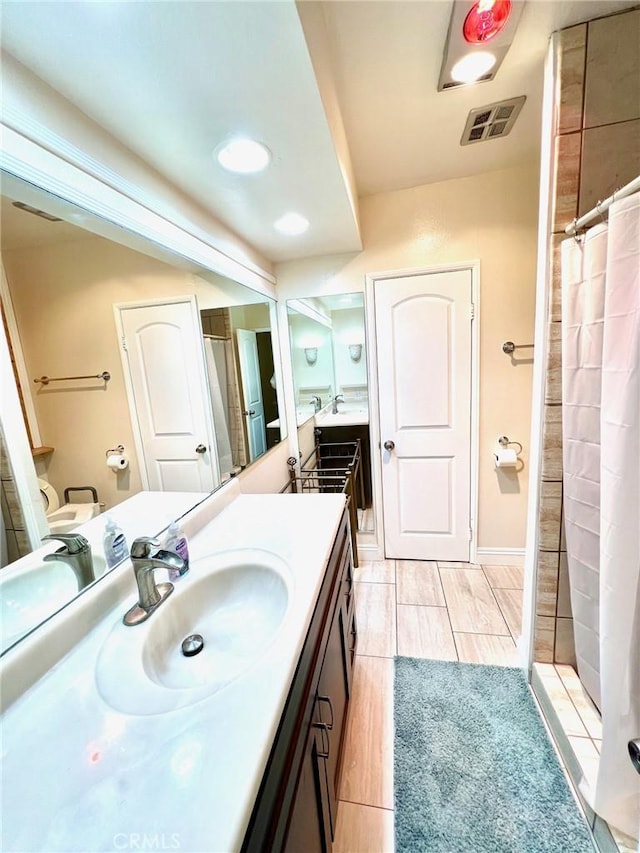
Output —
<point x="602" y="206"/>
<point x="215" y="337"/>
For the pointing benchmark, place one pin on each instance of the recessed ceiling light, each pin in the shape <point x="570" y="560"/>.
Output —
<point x="473" y="66"/>
<point x="291" y="223"/>
<point x="244" y="156"/>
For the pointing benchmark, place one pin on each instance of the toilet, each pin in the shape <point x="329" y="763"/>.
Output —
<point x="65" y="518"/>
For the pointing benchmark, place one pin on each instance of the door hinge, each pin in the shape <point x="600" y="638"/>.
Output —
<point x="472" y="311"/>
<point x="124" y="343"/>
<point x="470" y="534"/>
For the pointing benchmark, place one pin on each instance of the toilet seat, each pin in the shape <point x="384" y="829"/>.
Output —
<point x="50" y="497"/>
<point x="65" y="518"/>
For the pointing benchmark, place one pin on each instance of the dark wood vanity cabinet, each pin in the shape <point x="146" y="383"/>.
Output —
<point x="351" y="432"/>
<point x="297" y="804"/>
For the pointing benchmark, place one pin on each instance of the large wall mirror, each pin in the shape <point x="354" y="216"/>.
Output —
<point x="122" y="351"/>
<point x="329" y="363"/>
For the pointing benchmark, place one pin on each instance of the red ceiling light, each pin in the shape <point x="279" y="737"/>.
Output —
<point x="485" y="20"/>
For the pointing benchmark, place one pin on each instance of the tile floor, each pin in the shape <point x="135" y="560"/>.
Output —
<point x="448" y="611"/>
<point x="580" y="721"/>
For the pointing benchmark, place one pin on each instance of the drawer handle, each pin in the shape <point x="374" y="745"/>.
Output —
<point x="324" y="753"/>
<point x="328" y="700"/>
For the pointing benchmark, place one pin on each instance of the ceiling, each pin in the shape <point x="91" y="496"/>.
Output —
<point x="173" y="80"/>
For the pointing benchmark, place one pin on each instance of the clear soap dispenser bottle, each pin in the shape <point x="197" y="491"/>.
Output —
<point x="114" y="543"/>
<point x="176" y="541"/>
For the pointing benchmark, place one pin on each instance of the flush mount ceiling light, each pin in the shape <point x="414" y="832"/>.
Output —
<point x="472" y="67"/>
<point x="291" y="224"/>
<point x="243" y="156"/>
<point x="480" y="33"/>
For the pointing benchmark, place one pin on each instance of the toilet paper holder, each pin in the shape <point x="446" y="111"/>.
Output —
<point x="503" y="441"/>
<point x="119" y="450"/>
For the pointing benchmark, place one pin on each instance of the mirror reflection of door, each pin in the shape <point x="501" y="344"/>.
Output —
<point x="328" y="356"/>
<point x="168" y="400"/>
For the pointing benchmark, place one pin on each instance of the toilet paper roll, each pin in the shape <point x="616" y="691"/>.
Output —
<point x="506" y="458"/>
<point x="117" y="461"/>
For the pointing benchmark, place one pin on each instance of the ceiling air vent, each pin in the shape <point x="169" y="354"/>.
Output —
<point x="491" y="121"/>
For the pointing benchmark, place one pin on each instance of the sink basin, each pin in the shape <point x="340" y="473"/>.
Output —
<point x="31" y="595"/>
<point x="347" y="413"/>
<point x="237" y="601"/>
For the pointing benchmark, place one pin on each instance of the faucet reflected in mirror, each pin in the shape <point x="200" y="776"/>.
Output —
<point x="76" y="552"/>
<point x="62" y="290"/>
<point x="334" y="389"/>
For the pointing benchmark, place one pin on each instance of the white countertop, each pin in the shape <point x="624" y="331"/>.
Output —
<point x="302" y="416"/>
<point x="78" y="775"/>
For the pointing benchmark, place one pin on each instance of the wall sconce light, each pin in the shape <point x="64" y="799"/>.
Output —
<point x="355" y="352"/>
<point x="311" y="354"/>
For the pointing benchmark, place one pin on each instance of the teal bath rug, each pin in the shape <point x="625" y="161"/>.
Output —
<point x="474" y="769"/>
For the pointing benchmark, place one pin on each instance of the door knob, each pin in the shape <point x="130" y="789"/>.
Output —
<point x="250" y="412"/>
<point x="389" y="445"/>
<point x="201" y="449"/>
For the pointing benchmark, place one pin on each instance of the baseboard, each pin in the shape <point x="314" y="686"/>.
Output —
<point x="500" y="556"/>
<point x="369" y="553"/>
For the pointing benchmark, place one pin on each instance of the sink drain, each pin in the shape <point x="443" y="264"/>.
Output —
<point x="192" y="645"/>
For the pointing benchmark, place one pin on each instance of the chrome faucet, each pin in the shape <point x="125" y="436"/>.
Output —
<point x="146" y="557"/>
<point x="75" y="551"/>
<point x="334" y="403"/>
<point x="317" y="402"/>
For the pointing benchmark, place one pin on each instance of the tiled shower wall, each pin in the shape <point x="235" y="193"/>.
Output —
<point x="12" y="517"/>
<point x="598" y="150"/>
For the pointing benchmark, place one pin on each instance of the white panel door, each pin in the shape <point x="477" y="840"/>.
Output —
<point x="163" y="347"/>
<point x="252" y="392"/>
<point x="423" y="327"/>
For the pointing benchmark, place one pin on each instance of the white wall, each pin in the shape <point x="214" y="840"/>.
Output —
<point x="348" y="328"/>
<point x="490" y="217"/>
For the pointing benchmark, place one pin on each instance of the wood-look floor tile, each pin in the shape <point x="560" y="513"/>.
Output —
<point x="472" y="607"/>
<point x="376" y="571"/>
<point x="419" y="583"/>
<point x="486" y="648"/>
<point x="584" y="706"/>
<point x="561" y="701"/>
<point x="505" y="577"/>
<point x="363" y="829"/>
<point x="376" y="619"/>
<point x="425" y="632"/>
<point x="367" y="769"/>
<point x="510" y="603"/>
